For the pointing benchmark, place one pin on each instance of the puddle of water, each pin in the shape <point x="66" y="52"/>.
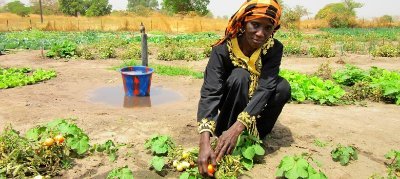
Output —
<point x="115" y="96"/>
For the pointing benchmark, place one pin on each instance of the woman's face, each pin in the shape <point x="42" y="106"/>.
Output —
<point x="257" y="32"/>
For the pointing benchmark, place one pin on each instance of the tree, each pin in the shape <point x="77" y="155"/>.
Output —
<point x="50" y="7"/>
<point x="291" y="16"/>
<point x="185" y="6"/>
<point x="339" y="14"/>
<point x="151" y="4"/>
<point x="18" y="8"/>
<point x="98" y="8"/>
<point x="72" y="7"/>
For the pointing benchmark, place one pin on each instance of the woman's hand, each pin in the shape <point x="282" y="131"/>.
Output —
<point x="227" y="141"/>
<point x="206" y="155"/>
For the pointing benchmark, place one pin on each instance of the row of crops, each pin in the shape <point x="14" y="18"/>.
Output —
<point x="382" y="42"/>
<point x="345" y="86"/>
<point x="46" y="150"/>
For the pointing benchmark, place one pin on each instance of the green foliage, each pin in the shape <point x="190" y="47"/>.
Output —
<point x="350" y="75"/>
<point x="72" y="7"/>
<point x="248" y="147"/>
<point x="312" y="88"/>
<point x="292" y="16"/>
<point x="133" y="4"/>
<point x="65" y="49"/>
<point x="393" y="167"/>
<point x="294" y="167"/>
<point x="18" y="8"/>
<point x="120" y="173"/>
<point x="14" y="77"/>
<point x="161" y="146"/>
<point x="175" y="52"/>
<point x="31" y="155"/>
<point x="85" y="53"/>
<point x="230" y="166"/>
<point x="320" y="143"/>
<point x="344" y="154"/>
<point x="192" y="173"/>
<point x="98" y="8"/>
<point x="322" y="50"/>
<point x="339" y="15"/>
<point x="185" y="6"/>
<point x="157" y="163"/>
<point x="108" y="148"/>
<point x="76" y="139"/>
<point x="49" y="7"/>
<point x="133" y="52"/>
<point x="387" y="50"/>
<point x="292" y="47"/>
<point x="388" y="82"/>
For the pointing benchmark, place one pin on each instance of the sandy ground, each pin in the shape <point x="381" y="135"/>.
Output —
<point x="374" y="129"/>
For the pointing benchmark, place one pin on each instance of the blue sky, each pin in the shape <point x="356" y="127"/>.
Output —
<point x="372" y="8"/>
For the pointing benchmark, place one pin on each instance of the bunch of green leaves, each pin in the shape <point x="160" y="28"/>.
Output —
<point x="312" y="88"/>
<point x="160" y="146"/>
<point x="107" y="51"/>
<point x="120" y="173"/>
<point x="320" y="143"/>
<point x="86" y="52"/>
<point x="76" y="139"/>
<point x="21" y="158"/>
<point x="393" y="168"/>
<point x="172" y="53"/>
<point x="350" y="75"/>
<point x="292" y="47"/>
<point x="387" y="50"/>
<point x="322" y="50"/>
<point x="131" y="52"/>
<point x="344" y="154"/>
<point x="65" y="49"/>
<point x="388" y="82"/>
<point x="192" y="173"/>
<point x="108" y="148"/>
<point x="248" y="146"/>
<point x="294" y="167"/>
<point x="14" y="77"/>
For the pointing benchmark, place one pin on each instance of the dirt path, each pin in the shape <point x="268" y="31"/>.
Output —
<point x="373" y="129"/>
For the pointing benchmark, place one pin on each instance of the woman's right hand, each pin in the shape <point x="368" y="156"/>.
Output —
<point x="206" y="155"/>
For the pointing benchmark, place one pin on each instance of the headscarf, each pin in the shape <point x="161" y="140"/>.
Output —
<point x="250" y="10"/>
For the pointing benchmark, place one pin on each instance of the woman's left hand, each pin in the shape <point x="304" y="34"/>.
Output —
<point x="227" y="141"/>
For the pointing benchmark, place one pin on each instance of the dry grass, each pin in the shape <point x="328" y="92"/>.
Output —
<point x="155" y="22"/>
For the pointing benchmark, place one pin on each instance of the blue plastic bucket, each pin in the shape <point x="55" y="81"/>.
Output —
<point x="137" y="80"/>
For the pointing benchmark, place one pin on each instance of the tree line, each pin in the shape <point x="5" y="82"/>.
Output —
<point x="103" y="7"/>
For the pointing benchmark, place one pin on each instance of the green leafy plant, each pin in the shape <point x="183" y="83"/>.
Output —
<point x="65" y="49"/>
<point x="15" y="77"/>
<point x="160" y="146"/>
<point x="387" y="50"/>
<point x="322" y="50"/>
<point x="313" y="88"/>
<point x="120" y="173"/>
<point x="393" y="167"/>
<point x="350" y="75"/>
<point x="320" y="143"/>
<point x="108" y="148"/>
<point x="248" y="147"/>
<point x="294" y="167"/>
<point x="344" y="154"/>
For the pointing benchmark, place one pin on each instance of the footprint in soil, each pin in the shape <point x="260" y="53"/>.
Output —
<point x="281" y="136"/>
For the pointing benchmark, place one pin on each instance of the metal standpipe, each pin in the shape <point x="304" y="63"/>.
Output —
<point x="145" y="61"/>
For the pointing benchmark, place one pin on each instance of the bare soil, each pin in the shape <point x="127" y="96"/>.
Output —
<point x="373" y="129"/>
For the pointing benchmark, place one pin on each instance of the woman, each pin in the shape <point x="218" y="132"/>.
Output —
<point x="242" y="89"/>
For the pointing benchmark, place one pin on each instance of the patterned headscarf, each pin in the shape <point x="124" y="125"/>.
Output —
<point x="250" y="10"/>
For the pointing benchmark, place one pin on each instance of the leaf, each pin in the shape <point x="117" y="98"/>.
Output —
<point x="247" y="163"/>
<point x="287" y="163"/>
<point x="120" y="173"/>
<point x="258" y="149"/>
<point x="301" y="168"/>
<point x="157" y="163"/>
<point x="184" y="175"/>
<point x="80" y="145"/>
<point x="33" y="134"/>
<point x="249" y="153"/>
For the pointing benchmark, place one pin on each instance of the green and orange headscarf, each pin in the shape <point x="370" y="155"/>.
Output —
<point x="250" y="10"/>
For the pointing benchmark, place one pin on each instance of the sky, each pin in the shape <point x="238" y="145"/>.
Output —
<point x="371" y="8"/>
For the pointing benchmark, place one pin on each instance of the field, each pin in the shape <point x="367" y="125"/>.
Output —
<point x="313" y="124"/>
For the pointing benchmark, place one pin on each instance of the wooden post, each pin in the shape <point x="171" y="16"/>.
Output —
<point x="177" y="26"/>
<point x="8" y="28"/>
<point x="41" y="11"/>
<point x="145" y="61"/>
<point x="78" y="25"/>
<point x="201" y="27"/>
<point x="30" y="24"/>
<point x="54" y="25"/>
<point x="151" y="25"/>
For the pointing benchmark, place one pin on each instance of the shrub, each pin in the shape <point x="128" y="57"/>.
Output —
<point x="65" y="49"/>
<point x="387" y="50"/>
<point x="350" y="75"/>
<point x="322" y="50"/>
